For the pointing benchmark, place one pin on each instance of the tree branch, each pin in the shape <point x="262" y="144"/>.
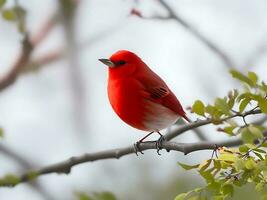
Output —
<point x="194" y="31"/>
<point x="23" y="59"/>
<point x="28" y="45"/>
<point x="66" y="165"/>
<point x="199" y="123"/>
<point x="186" y="148"/>
<point x="25" y="165"/>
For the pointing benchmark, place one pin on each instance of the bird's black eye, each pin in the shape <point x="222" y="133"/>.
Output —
<point x="120" y="63"/>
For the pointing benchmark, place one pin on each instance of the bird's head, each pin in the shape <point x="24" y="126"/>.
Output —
<point x="121" y="64"/>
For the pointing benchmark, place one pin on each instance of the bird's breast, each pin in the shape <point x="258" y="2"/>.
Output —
<point x="128" y="100"/>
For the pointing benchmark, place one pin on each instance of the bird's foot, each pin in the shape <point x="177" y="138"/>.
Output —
<point x="159" y="144"/>
<point x="214" y="152"/>
<point x="137" y="148"/>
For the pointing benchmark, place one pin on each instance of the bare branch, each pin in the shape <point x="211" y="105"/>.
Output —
<point x="28" y="45"/>
<point x="25" y="165"/>
<point x="11" y="76"/>
<point x="23" y="162"/>
<point x="66" y="165"/>
<point x="45" y="29"/>
<point x="199" y="123"/>
<point x="186" y="148"/>
<point x="194" y="31"/>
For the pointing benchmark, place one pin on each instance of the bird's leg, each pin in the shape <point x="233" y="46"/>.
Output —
<point x="137" y="144"/>
<point x="159" y="142"/>
<point x="214" y="152"/>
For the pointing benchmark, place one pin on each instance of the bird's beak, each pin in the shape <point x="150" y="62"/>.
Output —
<point x="107" y="62"/>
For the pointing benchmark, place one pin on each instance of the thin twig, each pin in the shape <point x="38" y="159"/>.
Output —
<point x="194" y="31"/>
<point x="11" y="76"/>
<point x="25" y="165"/>
<point x="66" y="165"/>
<point x="28" y="45"/>
<point x="200" y="123"/>
<point x="186" y="148"/>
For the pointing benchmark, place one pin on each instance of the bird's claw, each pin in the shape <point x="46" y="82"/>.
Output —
<point x="137" y="148"/>
<point x="214" y="152"/>
<point x="159" y="144"/>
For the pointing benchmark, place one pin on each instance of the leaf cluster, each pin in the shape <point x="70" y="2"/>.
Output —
<point x="95" y="196"/>
<point x="234" y="167"/>
<point x="15" y="14"/>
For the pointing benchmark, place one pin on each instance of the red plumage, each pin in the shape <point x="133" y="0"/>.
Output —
<point x="138" y="95"/>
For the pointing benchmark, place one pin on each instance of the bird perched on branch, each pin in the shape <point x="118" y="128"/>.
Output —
<point x="139" y="96"/>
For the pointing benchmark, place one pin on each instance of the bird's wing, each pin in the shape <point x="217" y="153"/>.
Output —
<point x="161" y="94"/>
<point x="158" y="93"/>
<point x="165" y="97"/>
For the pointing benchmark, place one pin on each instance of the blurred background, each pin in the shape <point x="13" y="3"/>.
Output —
<point x="58" y="106"/>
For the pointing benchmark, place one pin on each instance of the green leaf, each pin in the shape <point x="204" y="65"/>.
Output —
<point x="198" y="108"/>
<point x="245" y="95"/>
<point x="203" y="166"/>
<point x="10" y="180"/>
<point x="228" y="189"/>
<point x="264" y="197"/>
<point x="207" y="176"/>
<point x="9" y="14"/>
<point x="21" y="14"/>
<point x="229" y="129"/>
<point x="217" y="164"/>
<point x="253" y="77"/>
<point x="259" y="155"/>
<point x="241" y="77"/>
<point x="105" y="196"/>
<point x="227" y="157"/>
<point x="232" y="97"/>
<point x="222" y="105"/>
<point x="239" y="164"/>
<point x="214" y="186"/>
<point x="224" y="164"/>
<point x="251" y="146"/>
<point x="181" y="196"/>
<point x="2" y="3"/>
<point x="255" y="131"/>
<point x="218" y="197"/>
<point x="263" y="87"/>
<point x="32" y="175"/>
<point x="83" y="196"/>
<point x="1" y="132"/>
<point x="231" y="103"/>
<point x="250" y="164"/>
<point x="259" y="187"/>
<point x="213" y="111"/>
<point x="243" y="148"/>
<point x="259" y="150"/>
<point x="188" y="167"/>
<point x="265" y="160"/>
<point x="247" y="135"/>
<point x="243" y="104"/>
<point x="264" y="144"/>
<point x="262" y="103"/>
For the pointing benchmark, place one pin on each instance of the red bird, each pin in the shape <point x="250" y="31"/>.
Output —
<point x="139" y="96"/>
